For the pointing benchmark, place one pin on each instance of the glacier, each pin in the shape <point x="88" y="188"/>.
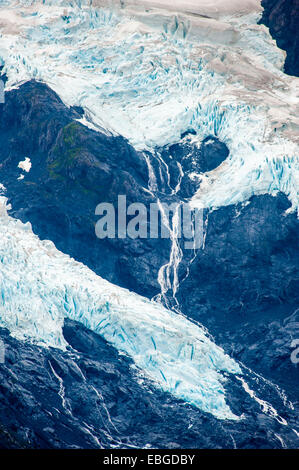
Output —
<point x="41" y="286"/>
<point x="152" y="70"/>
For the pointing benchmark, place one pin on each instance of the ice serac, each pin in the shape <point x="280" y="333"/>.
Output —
<point x="153" y="70"/>
<point x="41" y="286"/>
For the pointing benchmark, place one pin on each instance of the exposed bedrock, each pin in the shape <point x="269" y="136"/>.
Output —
<point x="89" y="397"/>
<point x="243" y="285"/>
<point x="282" y="18"/>
<point x="75" y="168"/>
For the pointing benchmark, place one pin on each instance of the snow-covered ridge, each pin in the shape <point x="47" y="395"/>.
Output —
<point x="41" y="286"/>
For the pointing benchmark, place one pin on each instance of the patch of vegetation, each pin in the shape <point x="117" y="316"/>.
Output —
<point x="66" y="153"/>
<point x="69" y="133"/>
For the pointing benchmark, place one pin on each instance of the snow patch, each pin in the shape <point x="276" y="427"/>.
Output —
<point x="25" y="165"/>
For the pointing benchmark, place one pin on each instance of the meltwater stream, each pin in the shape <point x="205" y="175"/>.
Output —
<point x="150" y="80"/>
<point x="41" y="287"/>
<point x="171" y="218"/>
<point x="168" y="279"/>
<point x="172" y="351"/>
<point x="151" y="71"/>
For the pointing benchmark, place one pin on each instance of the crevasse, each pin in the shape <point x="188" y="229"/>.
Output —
<point x="41" y="286"/>
<point x="152" y="70"/>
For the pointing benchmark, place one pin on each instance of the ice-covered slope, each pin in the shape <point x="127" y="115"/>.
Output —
<point x="41" y="286"/>
<point x="208" y="8"/>
<point x="153" y="70"/>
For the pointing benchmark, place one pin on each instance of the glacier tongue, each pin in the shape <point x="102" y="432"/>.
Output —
<point x="41" y="286"/>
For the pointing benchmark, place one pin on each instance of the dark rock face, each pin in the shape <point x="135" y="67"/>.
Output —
<point x="89" y="397"/>
<point x="244" y="285"/>
<point x="73" y="170"/>
<point x="282" y="18"/>
<point x="207" y="157"/>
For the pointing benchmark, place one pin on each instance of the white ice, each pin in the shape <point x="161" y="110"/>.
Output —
<point x="40" y="287"/>
<point x="150" y="70"/>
